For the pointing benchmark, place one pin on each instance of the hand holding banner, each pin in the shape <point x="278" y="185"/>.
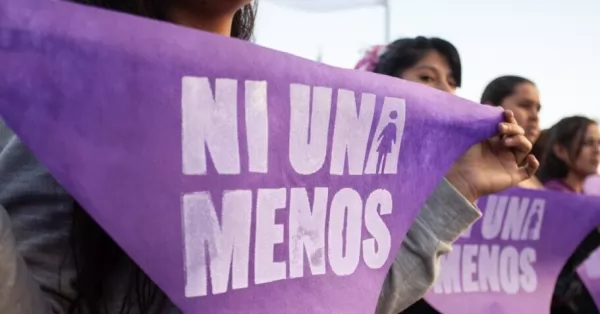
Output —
<point x="239" y="178"/>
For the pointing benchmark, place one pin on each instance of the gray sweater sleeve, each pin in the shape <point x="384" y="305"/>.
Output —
<point x="36" y="269"/>
<point x="445" y="215"/>
<point x="19" y="293"/>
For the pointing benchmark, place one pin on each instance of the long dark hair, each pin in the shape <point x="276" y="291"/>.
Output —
<point x="500" y="88"/>
<point x="404" y="53"/>
<point x="95" y="254"/>
<point x="570" y="134"/>
<point x="540" y="146"/>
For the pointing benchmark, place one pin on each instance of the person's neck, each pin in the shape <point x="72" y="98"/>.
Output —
<point x="218" y="24"/>
<point x="575" y="182"/>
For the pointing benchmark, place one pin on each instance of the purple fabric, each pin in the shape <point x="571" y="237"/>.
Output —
<point x="509" y="261"/>
<point x="589" y="272"/>
<point x="183" y="144"/>
<point x="592" y="185"/>
<point x="558" y="185"/>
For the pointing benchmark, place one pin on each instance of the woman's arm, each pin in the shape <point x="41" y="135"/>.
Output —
<point x="443" y="218"/>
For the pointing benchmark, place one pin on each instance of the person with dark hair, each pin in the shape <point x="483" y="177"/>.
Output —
<point x="571" y="155"/>
<point x="521" y="96"/>
<point x="434" y="62"/>
<point x="55" y="259"/>
<point x="430" y="61"/>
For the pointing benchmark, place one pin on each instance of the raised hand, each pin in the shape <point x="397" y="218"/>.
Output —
<point x="495" y="164"/>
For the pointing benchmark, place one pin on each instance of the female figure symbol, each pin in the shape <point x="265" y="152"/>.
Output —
<point x="386" y="139"/>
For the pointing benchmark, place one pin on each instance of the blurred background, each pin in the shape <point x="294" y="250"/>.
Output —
<point x="556" y="43"/>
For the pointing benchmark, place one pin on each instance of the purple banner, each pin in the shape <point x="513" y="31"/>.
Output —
<point x="589" y="272"/>
<point x="239" y="178"/>
<point x="509" y="261"/>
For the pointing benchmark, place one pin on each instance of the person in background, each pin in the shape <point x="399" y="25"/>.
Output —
<point x="521" y="96"/>
<point x="591" y="185"/>
<point x="55" y="259"/>
<point x="434" y="62"/>
<point x="430" y="61"/>
<point x="572" y="155"/>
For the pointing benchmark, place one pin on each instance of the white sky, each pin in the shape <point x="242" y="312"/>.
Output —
<point x="555" y="43"/>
